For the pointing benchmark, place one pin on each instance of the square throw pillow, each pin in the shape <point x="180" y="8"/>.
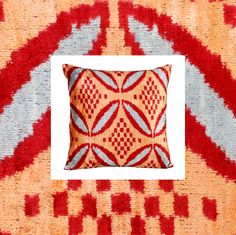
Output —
<point x="117" y="118"/>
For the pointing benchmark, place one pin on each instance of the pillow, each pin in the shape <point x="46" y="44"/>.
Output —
<point x="117" y="118"/>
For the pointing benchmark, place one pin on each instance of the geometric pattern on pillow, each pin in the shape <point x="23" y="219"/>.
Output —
<point x="117" y="118"/>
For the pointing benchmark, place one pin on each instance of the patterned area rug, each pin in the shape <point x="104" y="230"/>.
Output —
<point x="203" y="31"/>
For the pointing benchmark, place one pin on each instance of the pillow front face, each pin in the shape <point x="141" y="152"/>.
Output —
<point x="117" y="118"/>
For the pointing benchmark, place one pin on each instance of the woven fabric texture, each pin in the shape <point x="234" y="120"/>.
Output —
<point x="107" y="129"/>
<point x="32" y="31"/>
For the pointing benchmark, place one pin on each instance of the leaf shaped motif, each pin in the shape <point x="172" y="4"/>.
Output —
<point x="74" y="78"/>
<point x="105" y="117"/>
<point x="160" y="123"/>
<point x="139" y="156"/>
<point x="106" y="79"/>
<point x="77" y="157"/>
<point x="78" y="120"/>
<point x="161" y="76"/>
<point x="163" y="156"/>
<point x="132" y="79"/>
<point x="104" y="156"/>
<point x="137" y="118"/>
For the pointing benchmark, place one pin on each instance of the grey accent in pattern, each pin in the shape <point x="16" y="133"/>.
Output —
<point x="150" y="40"/>
<point x="76" y="43"/>
<point x="106" y="79"/>
<point x="162" y="76"/>
<point x="76" y="158"/>
<point x="78" y="121"/>
<point x="74" y="75"/>
<point x="164" y="159"/>
<point x="203" y="102"/>
<point x="103" y="156"/>
<point x="210" y="110"/>
<point x="139" y="157"/>
<point x="137" y="118"/>
<point x="132" y="79"/>
<point x="161" y="123"/>
<point x="106" y="116"/>
<point x="33" y="98"/>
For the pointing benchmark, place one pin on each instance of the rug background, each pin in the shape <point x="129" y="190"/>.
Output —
<point x="31" y="203"/>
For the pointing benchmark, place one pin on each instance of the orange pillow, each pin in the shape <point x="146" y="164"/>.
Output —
<point x="117" y="118"/>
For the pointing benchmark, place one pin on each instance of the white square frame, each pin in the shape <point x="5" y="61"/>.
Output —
<point x="175" y="116"/>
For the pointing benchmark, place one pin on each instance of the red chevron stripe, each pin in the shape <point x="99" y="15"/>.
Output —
<point x="216" y="73"/>
<point x="17" y="71"/>
<point x="28" y="149"/>
<point x="209" y="151"/>
<point x="24" y="154"/>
